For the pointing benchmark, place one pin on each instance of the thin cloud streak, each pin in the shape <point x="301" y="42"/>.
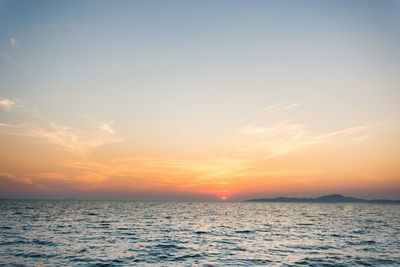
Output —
<point x="284" y="138"/>
<point x="280" y="107"/>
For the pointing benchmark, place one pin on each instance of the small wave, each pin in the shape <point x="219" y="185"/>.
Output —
<point x="34" y="255"/>
<point x="129" y="233"/>
<point x="83" y="250"/>
<point x="92" y="214"/>
<point x="336" y="235"/>
<point x="12" y="243"/>
<point x="200" y="232"/>
<point x="43" y="242"/>
<point x="305" y="224"/>
<point x="304" y="247"/>
<point x="168" y="246"/>
<point x="376" y="262"/>
<point x="239" y="249"/>
<point x="369" y="242"/>
<point x="360" y="243"/>
<point x="244" y="231"/>
<point x="252" y="262"/>
<point x="188" y="256"/>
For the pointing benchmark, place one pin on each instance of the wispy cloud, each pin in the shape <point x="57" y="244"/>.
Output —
<point x="105" y="126"/>
<point x="281" y="136"/>
<point x="6" y="103"/>
<point x="352" y="132"/>
<point x="284" y="137"/>
<point x="74" y="139"/>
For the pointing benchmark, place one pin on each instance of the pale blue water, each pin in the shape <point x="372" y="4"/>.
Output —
<point x="36" y="233"/>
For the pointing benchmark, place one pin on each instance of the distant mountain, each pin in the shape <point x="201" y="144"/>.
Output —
<point x="335" y="198"/>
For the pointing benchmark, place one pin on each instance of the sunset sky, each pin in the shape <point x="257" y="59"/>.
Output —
<point x="199" y="100"/>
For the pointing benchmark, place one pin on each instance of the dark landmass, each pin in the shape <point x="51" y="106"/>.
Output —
<point x="335" y="198"/>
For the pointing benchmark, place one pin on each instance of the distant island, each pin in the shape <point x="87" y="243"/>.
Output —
<point x="334" y="198"/>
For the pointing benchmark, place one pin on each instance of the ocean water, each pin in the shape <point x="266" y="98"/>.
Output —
<point x="86" y="233"/>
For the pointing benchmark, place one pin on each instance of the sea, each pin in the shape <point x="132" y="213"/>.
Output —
<point x="134" y="233"/>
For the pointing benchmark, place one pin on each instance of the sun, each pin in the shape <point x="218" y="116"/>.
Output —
<point x="223" y="198"/>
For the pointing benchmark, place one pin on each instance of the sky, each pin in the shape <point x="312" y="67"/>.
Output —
<point x="199" y="100"/>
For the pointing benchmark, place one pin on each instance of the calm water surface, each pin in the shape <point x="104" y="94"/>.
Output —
<point x="89" y="233"/>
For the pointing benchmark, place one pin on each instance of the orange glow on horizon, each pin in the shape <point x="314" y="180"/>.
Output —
<point x="236" y="169"/>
